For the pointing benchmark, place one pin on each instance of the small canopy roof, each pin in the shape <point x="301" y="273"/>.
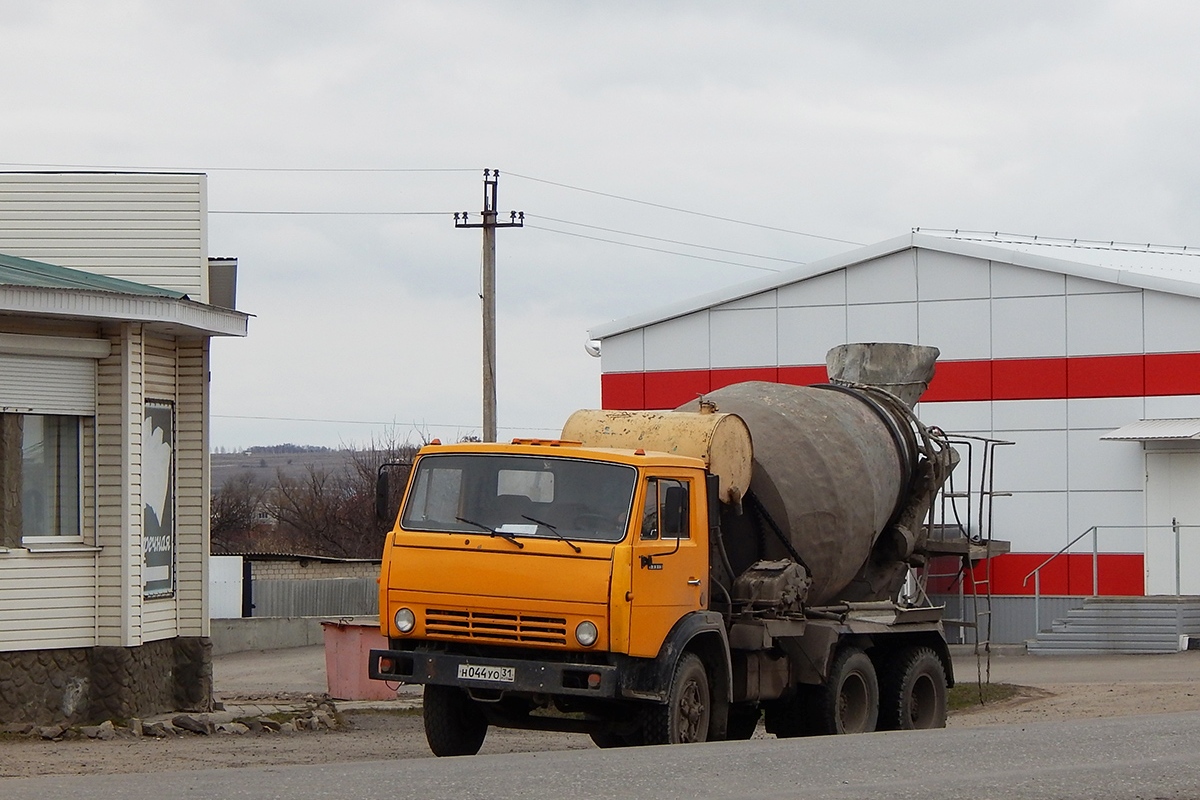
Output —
<point x="1145" y="430"/>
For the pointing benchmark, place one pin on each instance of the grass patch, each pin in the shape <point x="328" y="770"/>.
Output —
<point x="967" y="695"/>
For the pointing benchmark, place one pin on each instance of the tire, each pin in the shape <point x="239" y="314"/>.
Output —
<point x="849" y="702"/>
<point x="912" y="690"/>
<point x="454" y="723"/>
<point x="743" y="720"/>
<point x="686" y="715"/>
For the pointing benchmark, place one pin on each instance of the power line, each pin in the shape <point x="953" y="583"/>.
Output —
<point x="683" y="210"/>
<point x="397" y="170"/>
<point x="668" y="241"/>
<point x="651" y="249"/>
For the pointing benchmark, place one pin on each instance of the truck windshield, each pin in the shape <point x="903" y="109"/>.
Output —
<point x="520" y="496"/>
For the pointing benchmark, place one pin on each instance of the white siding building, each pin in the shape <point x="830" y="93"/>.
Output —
<point x="1087" y="357"/>
<point x="105" y="323"/>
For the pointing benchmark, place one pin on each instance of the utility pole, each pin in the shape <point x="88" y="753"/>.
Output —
<point x="491" y="180"/>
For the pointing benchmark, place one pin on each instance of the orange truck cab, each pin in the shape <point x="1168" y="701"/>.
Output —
<point x="543" y="584"/>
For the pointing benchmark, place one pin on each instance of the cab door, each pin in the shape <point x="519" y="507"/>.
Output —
<point x="670" y="559"/>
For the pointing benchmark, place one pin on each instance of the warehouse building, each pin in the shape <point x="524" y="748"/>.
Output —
<point x="1086" y="356"/>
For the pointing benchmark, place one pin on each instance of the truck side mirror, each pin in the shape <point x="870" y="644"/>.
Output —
<point x="674" y="522"/>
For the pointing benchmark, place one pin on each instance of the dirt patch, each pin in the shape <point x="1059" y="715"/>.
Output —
<point x="373" y="735"/>
<point x="1082" y="701"/>
<point x="364" y="736"/>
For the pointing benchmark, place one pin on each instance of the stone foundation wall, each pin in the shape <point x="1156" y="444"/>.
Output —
<point x="78" y="686"/>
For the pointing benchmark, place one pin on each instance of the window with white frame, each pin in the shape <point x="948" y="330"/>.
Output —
<point x="40" y="477"/>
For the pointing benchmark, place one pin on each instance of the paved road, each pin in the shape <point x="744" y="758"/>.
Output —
<point x="1127" y="757"/>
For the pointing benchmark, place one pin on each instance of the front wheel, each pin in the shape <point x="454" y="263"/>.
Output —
<point x="454" y="723"/>
<point x="913" y="691"/>
<point x="686" y="715"/>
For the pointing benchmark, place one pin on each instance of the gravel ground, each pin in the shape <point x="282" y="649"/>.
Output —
<point x="1054" y="688"/>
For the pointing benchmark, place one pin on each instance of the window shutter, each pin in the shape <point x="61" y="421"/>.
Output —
<point x="47" y="385"/>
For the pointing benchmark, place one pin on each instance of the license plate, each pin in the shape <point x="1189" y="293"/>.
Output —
<point x="475" y="672"/>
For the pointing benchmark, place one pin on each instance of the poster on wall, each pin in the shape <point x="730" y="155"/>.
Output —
<point x="158" y="495"/>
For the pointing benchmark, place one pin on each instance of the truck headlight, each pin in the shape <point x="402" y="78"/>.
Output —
<point x="406" y="620"/>
<point x="586" y="633"/>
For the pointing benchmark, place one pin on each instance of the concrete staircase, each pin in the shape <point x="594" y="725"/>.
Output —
<point x="1124" y="625"/>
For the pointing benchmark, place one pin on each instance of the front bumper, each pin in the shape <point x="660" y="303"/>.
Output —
<point x="529" y="676"/>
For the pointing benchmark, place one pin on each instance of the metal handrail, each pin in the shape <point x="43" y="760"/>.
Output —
<point x="1036" y="574"/>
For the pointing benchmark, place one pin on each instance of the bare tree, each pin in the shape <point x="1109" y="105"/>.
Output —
<point x="393" y="455"/>
<point x="320" y="510"/>
<point x="312" y="506"/>
<point x="236" y="504"/>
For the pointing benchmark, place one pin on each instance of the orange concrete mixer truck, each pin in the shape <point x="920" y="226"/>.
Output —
<point x="665" y="577"/>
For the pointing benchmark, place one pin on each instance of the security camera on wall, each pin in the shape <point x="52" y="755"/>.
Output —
<point x="592" y="347"/>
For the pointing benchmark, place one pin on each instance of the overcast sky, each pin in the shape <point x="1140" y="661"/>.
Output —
<point x="838" y="122"/>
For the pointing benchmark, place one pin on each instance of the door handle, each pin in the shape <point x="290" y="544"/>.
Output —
<point x="693" y="581"/>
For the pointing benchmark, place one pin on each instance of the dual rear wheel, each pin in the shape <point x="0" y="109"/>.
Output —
<point x="903" y="689"/>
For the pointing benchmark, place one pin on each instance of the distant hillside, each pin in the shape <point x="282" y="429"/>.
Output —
<point x="264" y="462"/>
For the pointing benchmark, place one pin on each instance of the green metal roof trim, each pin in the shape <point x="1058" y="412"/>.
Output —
<point x="23" y="272"/>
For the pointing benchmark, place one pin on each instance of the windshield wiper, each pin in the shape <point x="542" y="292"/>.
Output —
<point x="492" y="531"/>
<point x="554" y="530"/>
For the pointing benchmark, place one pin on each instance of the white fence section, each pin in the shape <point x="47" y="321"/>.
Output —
<point x="224" y="587"/>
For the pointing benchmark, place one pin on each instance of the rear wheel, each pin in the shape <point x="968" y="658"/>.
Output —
<point x="686" y="715"/>
<point x="850" y="699"/>
<point x="912" y="691"/>
<point x="454" y="723"/>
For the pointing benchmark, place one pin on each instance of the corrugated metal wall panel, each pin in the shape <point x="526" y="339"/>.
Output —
<point x="335" y="598"/>
<point x="46" y="385"/>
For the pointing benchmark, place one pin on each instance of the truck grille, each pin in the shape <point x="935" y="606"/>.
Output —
<point x="493" y="627"/>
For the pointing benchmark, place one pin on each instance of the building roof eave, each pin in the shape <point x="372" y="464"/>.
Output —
<point x="176" y="315"/>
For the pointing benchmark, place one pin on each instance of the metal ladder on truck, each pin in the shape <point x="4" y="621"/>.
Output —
<point x="960" y="546"/>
